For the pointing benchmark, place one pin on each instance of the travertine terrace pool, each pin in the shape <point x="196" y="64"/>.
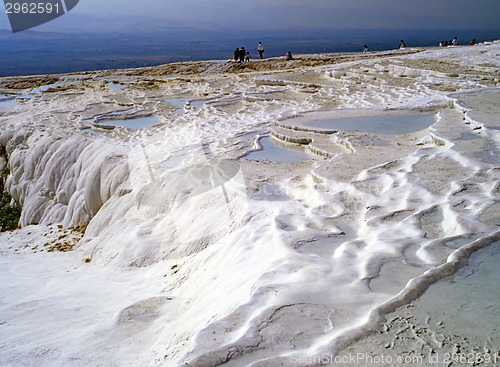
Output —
<point x="379" y="124"/>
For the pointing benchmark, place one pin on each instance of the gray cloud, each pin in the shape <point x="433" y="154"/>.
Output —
<point x="312" y="13"/>
<point x="286" y="14"/>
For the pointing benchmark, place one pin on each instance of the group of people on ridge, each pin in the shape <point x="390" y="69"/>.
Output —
<point x="453" y="42"/>
<point x="242" y="55"/>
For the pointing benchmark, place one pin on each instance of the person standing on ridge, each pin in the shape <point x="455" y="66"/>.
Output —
<point x="402" y="44"/>
<point x="242" y="54"/>
<point x="365" y="48"/>
<point x="261" y="50"/>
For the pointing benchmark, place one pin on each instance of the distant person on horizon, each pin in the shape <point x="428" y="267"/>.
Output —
<point x="288" y="55"/>
<point x="473" y="42"/>
<point x="365" y="48"/>
<point x="454" y="42"/>
<point x="441" y="44"/>
<point x="261" y="50"/>
<point x="242" y="54"/>
<point x="248" y="56"/>
<point x="236" y="54"/>
<point x="402" y="44"/>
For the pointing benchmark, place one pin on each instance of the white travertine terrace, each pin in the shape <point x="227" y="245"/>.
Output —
<point x="183" y="264"/>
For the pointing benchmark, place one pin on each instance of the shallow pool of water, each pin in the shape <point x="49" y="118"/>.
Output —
<point x="468" y="302"/>
<point x="43" y="88"/>
<point x="178" y="102"/>
<point x="115" y="86"/>
<point x="7" y="103"/>
<point x="381" y="124"/>
<point x="489" y="154"/>
<point x="181" y="102"/>
<point x="179" y="111"/>
<point x="272" y="152"/>
<point x="135" y="123"/>
<point x="197" y="104"/>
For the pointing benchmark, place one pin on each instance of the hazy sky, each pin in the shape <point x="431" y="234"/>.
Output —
<point x="281" y="14"/>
